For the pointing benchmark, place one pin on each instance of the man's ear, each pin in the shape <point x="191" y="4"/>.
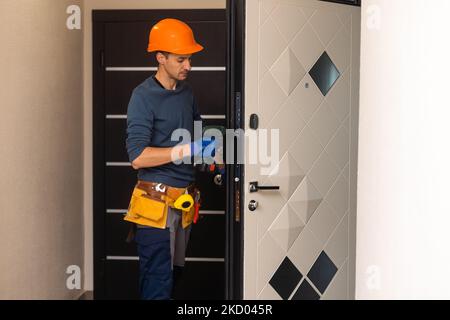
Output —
<point x="160" y="58"/>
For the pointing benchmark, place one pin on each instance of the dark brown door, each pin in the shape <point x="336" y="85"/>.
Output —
<point x="120" y="64"/>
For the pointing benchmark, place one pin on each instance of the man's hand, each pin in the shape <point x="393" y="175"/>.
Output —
<point x="205" y="147"/>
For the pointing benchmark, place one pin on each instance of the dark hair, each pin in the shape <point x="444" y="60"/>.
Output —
<point x="164" y="53"/>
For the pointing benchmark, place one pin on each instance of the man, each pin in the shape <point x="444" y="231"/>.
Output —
<point x="160" y="105"/>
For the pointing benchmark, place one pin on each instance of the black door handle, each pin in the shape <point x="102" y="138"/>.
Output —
<point x="254" y="187"/>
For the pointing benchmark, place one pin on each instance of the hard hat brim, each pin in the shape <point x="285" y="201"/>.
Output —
<point x="188" y="50"/>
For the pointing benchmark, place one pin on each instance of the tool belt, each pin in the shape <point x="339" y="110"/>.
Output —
<point x="150" y="202"/>
<point x="161" y="191"/>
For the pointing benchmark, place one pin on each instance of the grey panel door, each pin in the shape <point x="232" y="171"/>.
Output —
<point x="120" y="64"/>
<point x="302" y="80"/>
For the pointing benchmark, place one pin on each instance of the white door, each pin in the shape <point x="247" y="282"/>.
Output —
<point x="301" y="77"/>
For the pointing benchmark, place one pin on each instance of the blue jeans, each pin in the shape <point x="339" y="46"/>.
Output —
<point x="155" y="263"/>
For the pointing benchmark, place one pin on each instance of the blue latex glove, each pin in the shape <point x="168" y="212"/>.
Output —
<point x="198" y="147"/>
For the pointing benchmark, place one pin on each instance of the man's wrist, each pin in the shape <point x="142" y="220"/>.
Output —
<point x="185" y="150"/>
<point x="180" y="151"/>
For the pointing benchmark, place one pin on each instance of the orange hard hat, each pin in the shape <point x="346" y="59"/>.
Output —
<point x="174" y="36"/>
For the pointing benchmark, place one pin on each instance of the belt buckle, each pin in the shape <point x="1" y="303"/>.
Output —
<point x="159" y="188"/>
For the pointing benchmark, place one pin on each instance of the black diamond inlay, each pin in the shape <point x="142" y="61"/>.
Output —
<point x="306" y="292"/>
<point x="322" y="272"/>
<point x="285" y="279"/>
<point x="324" y="73"/>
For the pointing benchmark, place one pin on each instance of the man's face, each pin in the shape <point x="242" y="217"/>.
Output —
<point x="176" y="65"/>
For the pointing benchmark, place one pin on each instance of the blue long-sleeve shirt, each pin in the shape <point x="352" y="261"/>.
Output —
<point x="153" y="114"/>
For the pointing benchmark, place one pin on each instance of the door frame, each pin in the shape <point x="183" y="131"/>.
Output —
<point x="234" y="254"/>
<point x="99" y="19"/>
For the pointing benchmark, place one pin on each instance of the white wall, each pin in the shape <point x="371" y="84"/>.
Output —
<point x="41" y="149"/>
<point x="111" y="4"/>
<point x="404" y="172"/>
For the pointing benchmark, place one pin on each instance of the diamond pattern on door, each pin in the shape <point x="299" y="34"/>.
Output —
<point x="285" y="279"/>
<point x="308" y="11"/>
<point x="323" y="174"/>
<point x="271" y="205"/>
<point x="317" y="281"/>
<point x="289" y="124"/>
<point x="286" y="228"/>
<point x="306" y="141"/>
<point x="324" y="123"/>
<point x="326" y="23"/>
<point x="307" y="55"/>
<point x="343" y="15"/>
<point x="338" y="286"/>
<point x="270" y="256"/>
<point x="336" y="248"/>
<point x="340" y="47"/>
<point x="269" y="5"/>
<point x="324" y="73"/>
<point x="289" y="20"/>
<point x="305" y="251"/>
<point x="271" y="99"/>
<point x="272" y="44"/>
<point x="339" y="97"/>
<point x="302" y="89"/>
<point x="288" y="71"/>
<point x="287" y="175"/>
<point x="306" y="98"/>
<point x="323" y="222"/>
<point x="337" y="197"/>
<point x="339" y="147"/>
<point x="269" y="293"/>
<point x="306" y="292"/>
<point x="305" y="200"/>
<point x="322" y="272"/>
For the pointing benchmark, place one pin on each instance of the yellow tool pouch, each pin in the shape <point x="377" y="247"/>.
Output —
<point x="188" y="217"/>
<point x="146" y="210"/>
